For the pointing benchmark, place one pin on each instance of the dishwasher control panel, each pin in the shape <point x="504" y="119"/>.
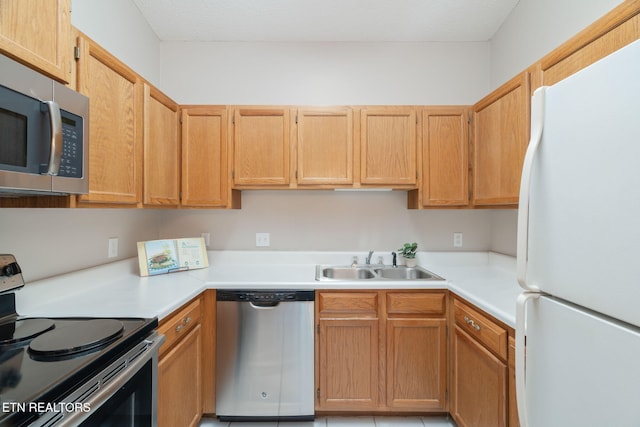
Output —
<point x="265" y="295"/>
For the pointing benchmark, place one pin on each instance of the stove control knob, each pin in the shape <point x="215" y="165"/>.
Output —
<point x="11" y="269"/>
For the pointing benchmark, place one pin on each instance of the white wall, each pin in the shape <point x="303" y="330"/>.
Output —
<point x="47" y="242"/>
<point x="325" y="73"/>
<point x="119" y="27"/>
<point x="536" y="27"/>
<point x="328" y="220"/>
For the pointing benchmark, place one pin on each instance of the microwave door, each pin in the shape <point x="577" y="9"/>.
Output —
<point x="24" y="125"/>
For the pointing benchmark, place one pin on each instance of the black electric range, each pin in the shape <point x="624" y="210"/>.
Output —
<point x="43" y="360"/>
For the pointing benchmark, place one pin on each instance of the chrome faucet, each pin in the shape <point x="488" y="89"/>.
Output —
<point x="368" y="260"/>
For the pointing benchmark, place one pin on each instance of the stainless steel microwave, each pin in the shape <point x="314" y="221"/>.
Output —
<point x="44" y="134"/>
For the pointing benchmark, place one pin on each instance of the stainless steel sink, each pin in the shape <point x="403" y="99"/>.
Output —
<point x="345" y="273"/>
<point x="373" y="272"/>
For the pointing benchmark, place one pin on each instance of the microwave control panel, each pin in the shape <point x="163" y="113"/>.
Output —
<point x="72" y="146"/>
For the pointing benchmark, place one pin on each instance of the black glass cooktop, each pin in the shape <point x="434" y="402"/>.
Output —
<point x="42" y="360"/>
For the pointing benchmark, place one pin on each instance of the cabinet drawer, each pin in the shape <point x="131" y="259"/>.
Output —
<point x="347" y="304"/>
<point x="481" y="327"/>
<point x="415" y="303"/>
<point x="180" y="324"/>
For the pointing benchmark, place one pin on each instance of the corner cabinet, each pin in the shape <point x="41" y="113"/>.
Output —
<point x="261" y="147"/>
<point x="445" y="156"/>
<point x="115" y="126"/>
<point x="38" y="33"/>
<point x="161" y="149"/>
<point x="388" y="146"/>
<point x="501" y="135"/>
<point x="180" y="380"/>
<point x="479" y="369"/>
<point x="205" y="177"/>
<point x="381" y="351"/>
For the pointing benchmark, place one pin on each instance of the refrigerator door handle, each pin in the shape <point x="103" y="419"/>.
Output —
<point x="537" y="124"/>
<point x="521" y="356"/>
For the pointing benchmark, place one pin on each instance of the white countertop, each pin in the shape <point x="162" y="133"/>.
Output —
<point x="485" y="279"/>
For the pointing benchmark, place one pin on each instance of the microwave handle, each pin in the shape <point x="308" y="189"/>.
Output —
<point x="55" y="153"/>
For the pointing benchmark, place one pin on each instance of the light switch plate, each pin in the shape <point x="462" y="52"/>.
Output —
<point x="113" y="247"/>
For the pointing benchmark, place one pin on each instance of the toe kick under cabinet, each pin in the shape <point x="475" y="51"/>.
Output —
<point x="381" y="351"/>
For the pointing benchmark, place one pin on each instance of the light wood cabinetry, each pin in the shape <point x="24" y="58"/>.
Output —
<point x="261" y="146"/>
<point x="347" y="351"/>
<point x="115" y="126"/>
<point x="614" y="30"/>
<point x="388" y="146"/>
<point x="445" y="156"/>
<point x="180" y="380"/>
<point x="38" y="34"/>
<point x="479" y="368"/>
<point x="205" y="177"/>
<point x="501" y="135"/>
<point x="513" y="405"/>
<point x="381" y="351"/>
<point x="324" y="146"/>
<point x="416" y="351"/>
<point x="161" y="149"/>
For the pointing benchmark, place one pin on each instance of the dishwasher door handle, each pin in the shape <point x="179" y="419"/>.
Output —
<point x="264" y="305"/>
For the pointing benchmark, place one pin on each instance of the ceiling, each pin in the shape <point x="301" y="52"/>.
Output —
<point x="326" y="20"/>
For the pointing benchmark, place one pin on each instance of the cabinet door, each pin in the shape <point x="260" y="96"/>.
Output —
<point x="479" y="384"/>
<point x="180" y="382"/>
<point x="205" y="181"/>
<point x="325" y="146"/>
<point x="501" y="135"/>
<point x="115" y="126"/>
<point x="416" y="364"/>
<point x="445" y="156"/>
<point x="513" y="405"/>
<point x="38" y="33"/>
<point x="261" y="147"/>
<point x="388" y="146"/>
<point x="161" y="149"/>
<point x="348" y="364"/>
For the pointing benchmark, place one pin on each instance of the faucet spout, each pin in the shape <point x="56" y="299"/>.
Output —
<point x="368" y="260"/>
<point x="394" y="259"/>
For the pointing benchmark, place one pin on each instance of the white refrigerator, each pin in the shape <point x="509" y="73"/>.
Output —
<point x="578" y="251"/>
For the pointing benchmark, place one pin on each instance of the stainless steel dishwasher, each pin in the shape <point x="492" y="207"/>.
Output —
<point x="265" y="355"/>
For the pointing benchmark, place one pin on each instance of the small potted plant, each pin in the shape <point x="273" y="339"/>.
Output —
<point x="408" y="252"/>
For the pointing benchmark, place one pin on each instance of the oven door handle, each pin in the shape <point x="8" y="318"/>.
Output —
<point x="104" y="392"/>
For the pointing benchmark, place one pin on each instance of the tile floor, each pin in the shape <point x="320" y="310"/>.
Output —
<point x="360" y="421"/>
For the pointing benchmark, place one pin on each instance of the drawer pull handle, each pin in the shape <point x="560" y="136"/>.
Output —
<point x="184" y="323"/>
<point x="471" y="323"/>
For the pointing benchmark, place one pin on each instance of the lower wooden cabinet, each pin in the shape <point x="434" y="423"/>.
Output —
<point x="180" y="382"/>
<point x="480" y="388"/>
<point x="483" y="392"/>
<point x="381" y="351"/>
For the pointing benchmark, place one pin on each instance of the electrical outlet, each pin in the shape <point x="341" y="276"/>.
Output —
<point x="207" y="238"/>
<point x="457" y="240"/>
<point x="262" y="239"/>
<point x="113" y="247"/>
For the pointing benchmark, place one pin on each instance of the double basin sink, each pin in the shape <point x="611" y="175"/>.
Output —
<point x="373" y="272"/>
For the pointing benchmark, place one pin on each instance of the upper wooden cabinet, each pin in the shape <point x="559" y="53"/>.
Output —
<point x="116" y="111"/>
<point x="501" y="135"/>
<point x="161" y="149"/>
<point x="38" y="33"/>
<point x="324" y="146"/>
<point x="388" y="146"/>
<point x="261" y="146"/>
<point x="445" y="156"/>
<point x="613" y="31"/>
<point x="205" y="178"/>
